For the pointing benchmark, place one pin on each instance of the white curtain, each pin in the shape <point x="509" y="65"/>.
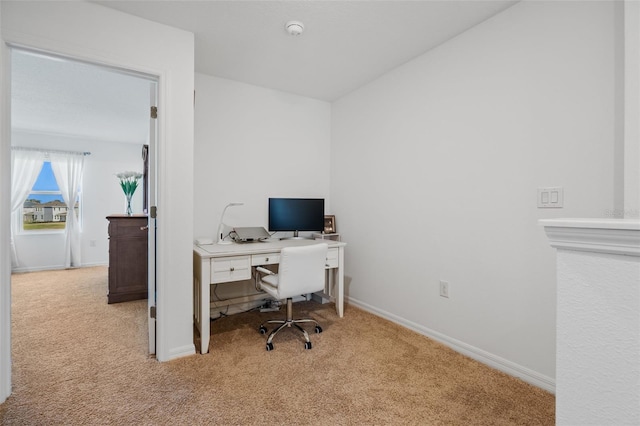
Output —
<point x="25" y="168"/>
<point x="67" y="169"/>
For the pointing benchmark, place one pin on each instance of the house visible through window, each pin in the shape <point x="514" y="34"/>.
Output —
<point x="44" y="208"/>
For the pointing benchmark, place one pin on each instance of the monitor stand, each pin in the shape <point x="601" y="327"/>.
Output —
<point x="296" y="237"/>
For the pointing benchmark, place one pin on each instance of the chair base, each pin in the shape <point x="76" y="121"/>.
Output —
<point x="289" y="322"/>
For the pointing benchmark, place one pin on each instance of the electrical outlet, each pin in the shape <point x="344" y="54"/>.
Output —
<point x="444" y="289"/>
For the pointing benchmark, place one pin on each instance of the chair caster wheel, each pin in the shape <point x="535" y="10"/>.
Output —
<point x="262" y="329"/>
<point x="318" y="329"/>
<point x="307" y="345"/>
<point x="269" y="347"/>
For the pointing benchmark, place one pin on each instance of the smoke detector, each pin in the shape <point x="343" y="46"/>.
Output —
<point x="294" y="28"/>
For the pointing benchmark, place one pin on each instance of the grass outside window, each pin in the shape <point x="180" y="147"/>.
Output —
<point x="43" y="226"/>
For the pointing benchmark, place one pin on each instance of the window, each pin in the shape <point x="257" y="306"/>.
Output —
<point x="44" y="208"/>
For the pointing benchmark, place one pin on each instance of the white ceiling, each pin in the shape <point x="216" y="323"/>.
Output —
<point x="62" y="97"/>
<point x="345" y="45"/>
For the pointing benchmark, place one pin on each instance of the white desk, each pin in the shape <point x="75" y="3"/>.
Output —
<point x="214" y="264"/>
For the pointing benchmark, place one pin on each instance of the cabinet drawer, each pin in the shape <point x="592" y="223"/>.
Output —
<point x="332" y="258"/>
<point x="129" y="226"/>
<point x="225" y="269"/>
<point x="265" y="259"/>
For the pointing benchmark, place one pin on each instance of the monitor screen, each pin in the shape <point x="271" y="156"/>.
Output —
<point x="296" y="214"/>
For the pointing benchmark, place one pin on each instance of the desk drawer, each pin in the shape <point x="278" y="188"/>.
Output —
<point x="225" y="269"/>
<point x="265" y="259"/>
<point x="332" y="258"/>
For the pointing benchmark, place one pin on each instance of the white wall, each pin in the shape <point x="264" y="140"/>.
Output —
<point x="102" y="196"/>
<point x="435" y="168"/>
<point x="96" y="34"/>
<point x="253" y="143"/>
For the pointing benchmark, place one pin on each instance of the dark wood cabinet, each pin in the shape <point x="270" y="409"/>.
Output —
<point x="127" y="258"/>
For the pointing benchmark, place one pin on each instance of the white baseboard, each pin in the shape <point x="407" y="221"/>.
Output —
<point x="179" y="352"/>
<point x="37" y="269"/>
<point x="53" y="267"/>
<point x="90" y="265"/>
<point x="494" y="361"/>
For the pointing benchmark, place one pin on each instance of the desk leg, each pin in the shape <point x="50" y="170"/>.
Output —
<point x="205" y="297"/>
<point x="340" y="292"/>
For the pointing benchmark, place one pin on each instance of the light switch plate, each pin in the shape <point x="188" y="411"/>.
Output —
<point x="551" y="197"/>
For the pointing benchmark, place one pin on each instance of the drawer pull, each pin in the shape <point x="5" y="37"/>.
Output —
<point x="144" y="228"/>
<point x="232" y="269"/>
<point x="266" y="259"/>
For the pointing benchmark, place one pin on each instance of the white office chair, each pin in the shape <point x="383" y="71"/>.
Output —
<point x="301" y="271"/>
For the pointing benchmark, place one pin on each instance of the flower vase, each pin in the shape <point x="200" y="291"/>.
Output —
<point x="129" y="212"/>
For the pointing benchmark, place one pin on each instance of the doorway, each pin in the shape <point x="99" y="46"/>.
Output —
<point x="90" y="32"/>
<point x="59" y="103"/>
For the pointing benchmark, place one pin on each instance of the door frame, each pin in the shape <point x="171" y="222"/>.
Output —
<point x="96" y="34"/>
<point x="151" y="182"/>
<point x="5" y="223"/>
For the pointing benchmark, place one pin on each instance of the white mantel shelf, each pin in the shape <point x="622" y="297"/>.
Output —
<point x="615" y="236"/>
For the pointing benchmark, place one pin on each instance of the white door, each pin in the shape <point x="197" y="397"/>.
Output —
<point x="151" y="208"/>
<point x="5" y="224"/>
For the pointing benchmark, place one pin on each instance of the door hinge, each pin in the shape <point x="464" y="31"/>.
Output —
<point x="153" y="212"/>
<point x="152" y="312"/>
<point x="154" y="112"/>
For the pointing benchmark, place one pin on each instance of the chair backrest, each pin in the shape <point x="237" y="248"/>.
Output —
<point x="301" y="270"/>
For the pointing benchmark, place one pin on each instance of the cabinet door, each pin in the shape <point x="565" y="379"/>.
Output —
<point x="127" y="259"/>
<point x="131" y="270"/>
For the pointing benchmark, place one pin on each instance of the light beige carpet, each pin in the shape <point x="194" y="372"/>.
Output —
<point x="78" y="360"/>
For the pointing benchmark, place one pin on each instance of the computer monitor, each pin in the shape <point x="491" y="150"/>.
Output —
<point x="296" y="214"/>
